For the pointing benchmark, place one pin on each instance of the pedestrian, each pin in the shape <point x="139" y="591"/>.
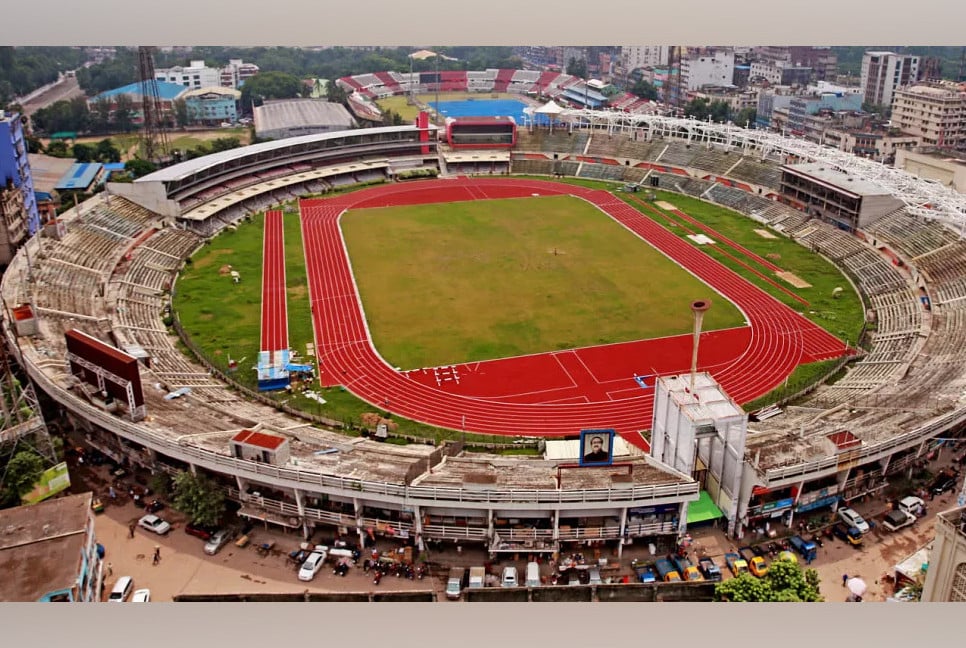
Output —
<point x="130" y="527"/>
<point x="110" y="569"/>
<point x="112" y="494"/>
<point x="157" y="555"/>
<point x="845" y="578"/>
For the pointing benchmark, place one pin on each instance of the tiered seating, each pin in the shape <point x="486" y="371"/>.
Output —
<point x="714" y="160"/>
<point x="601" y="171"/>
<point x="480" y="81"/>
<point x="756" y="172"/>
<point x="949" y="291"/>
<point x="605" y="145"/>
<point x="678" y="154"/>
<point x="388" y="82"/>
<point x="502" y="81"/>
<point x="946" y="264"/>
<point x="832" y="242"/>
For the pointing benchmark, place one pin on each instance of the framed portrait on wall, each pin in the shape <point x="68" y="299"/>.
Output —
<point x="596" y="447"/>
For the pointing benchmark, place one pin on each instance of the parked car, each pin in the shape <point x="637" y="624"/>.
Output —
<point x="121" y="590"/>
<point x="152" y="522"/>
<point x="756" y="564"/>
<point x="853" y="519"/>
<point x="218" y="540"/>
<point x="141" y="596"/>
<point x="710" y="570"/>
<point x="897" y="519"/>
<point x="943" y="482"/>
<point x="311" y="566"/>
<point x="736" y="563"/>
<point x="913" y="504"/>
<point x="200" y="531"/>
<point x="848" y="534"/>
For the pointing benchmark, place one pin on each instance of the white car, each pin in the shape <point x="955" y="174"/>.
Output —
<point x="311" y="566"/>
<point x="852" y="518"/>
<point x="141" y="596"/>
<point x="121" y="590"/>
<point x="154" y="523"/>
<point x="912" y="504"/>
<point x="897" y="519"/>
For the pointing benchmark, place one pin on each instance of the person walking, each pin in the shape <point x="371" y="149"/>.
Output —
<point x="130" y="528"/>
<point x="845" y="579"/>
<point x="110" y="570"/>
<point x="157" y="555"/>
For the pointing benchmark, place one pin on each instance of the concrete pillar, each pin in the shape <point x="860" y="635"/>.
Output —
<point x="193" y="468"/>
<point x="360" y="528"/>
<point x="306" y="533"/>
<point x="623" y="531"/>
<point x="242" y="485"/>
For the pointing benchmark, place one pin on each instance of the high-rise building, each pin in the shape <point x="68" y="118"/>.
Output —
<point x="19" y="217"/>
<point x="196" y="75"/>
<point x="638" y="56"/>
<point x="703" y="67"/>
<point x="237" y="72"/>
<point x="883" y="72"/>
<point x="936" y="112"/>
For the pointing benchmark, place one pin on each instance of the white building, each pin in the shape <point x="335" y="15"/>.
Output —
<point x="196" y="75"/>
<point x="237" y="72"/>
<point x="705" y="67"/>
<point x="935" y="112"/>
<point x="639" y="56"/>
<point x="883" y="72"/>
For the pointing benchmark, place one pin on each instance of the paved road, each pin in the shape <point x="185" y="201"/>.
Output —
<point x="67" y="88"/>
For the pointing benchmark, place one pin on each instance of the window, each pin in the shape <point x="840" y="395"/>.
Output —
<point x="958" y="590"/>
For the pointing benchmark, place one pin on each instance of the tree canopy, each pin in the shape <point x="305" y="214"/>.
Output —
<point x="784" y="582"/>
<point x="22" y="471"/>
<point x="199" y="498"/>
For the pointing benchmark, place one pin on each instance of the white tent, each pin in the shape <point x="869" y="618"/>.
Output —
<point x="552" y="109"/>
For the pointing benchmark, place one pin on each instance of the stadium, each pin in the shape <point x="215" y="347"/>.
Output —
<point x="108" y="267"/>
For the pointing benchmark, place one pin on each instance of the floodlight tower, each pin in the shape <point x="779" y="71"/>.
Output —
<point x="154" y="133"/>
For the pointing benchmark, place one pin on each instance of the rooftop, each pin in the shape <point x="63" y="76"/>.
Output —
<point x="167" y="91"/>
<point x="47" y="170"/>
<point x="41" y="545"/>
<point x="838" y="178"/>
<point x="79" y="176"/>
<point x="295" y="113"/>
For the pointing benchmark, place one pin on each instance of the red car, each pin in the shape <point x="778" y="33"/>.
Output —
<point x="200" y="531"/>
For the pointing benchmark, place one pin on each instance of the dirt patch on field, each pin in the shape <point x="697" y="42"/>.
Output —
<point x="795" y="281"/>
<point x="211" y="258"/>
<point x="296" y="292"/>
<point x="370" y="420"/>
<point x="765" y="234"/>
<point x="665" y="205"/>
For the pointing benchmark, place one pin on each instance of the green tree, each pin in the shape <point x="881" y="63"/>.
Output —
<point x="644" y="90"/>
<point x="223" y="144"/>
<point x="123" y="116"/>
<point x="34" y="145"/>
<point x="138" y="167"/>
<point x="198" y="498"/>
<point x="577" y="67"/>
<point x="746" y="117"/>
<point x="58" y="148"/>
<point x="270" y="85"/>
<point x="83" y="153"/>
<point x="22" y="472"/>
<point x="335" y="93"/>
<point x="784" y="582"/>
<point x="105" y="151"/>
<point x="180" y="113"/>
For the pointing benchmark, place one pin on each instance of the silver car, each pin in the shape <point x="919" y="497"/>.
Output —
<point x="218" y="540"/>
<point x="154" y="523"/>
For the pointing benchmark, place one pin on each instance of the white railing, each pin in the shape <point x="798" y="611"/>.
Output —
<point x="323" y="483"/>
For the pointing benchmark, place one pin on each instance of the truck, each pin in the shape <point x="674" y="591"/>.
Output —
<point x="895" y="520"/>
<point x="805" y="548"/>
<point x="756" y="564"/>
<point x="709" y="569"/>
<point x="645" y="573"/>
<point x="848" y="534"/>
<point x="688" y="571"/>
<point x="736" y="563"/>
<point x="666" y="571"/>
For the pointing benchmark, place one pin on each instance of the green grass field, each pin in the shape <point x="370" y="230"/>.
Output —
<point x="479" y="280"/>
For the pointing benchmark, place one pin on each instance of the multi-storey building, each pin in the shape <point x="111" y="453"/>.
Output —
<point x="936" y="112"/>
<point x="707" y="67"/>
<point x="946" y="576"/>
<point x="212" y="106"/>
<point x="638" y="56"/>
<point x="821" y="59"/>
<point x="59" y="536"/>
<point x="800" y="107"/>
<point x="883" y="73"/>
<point x="19" y="217"/>
<point x="196" y="75"/>
<point x="780" y="73"/>
<point x="237" y="72"/>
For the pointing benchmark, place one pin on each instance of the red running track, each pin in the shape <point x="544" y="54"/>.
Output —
<point x="274" y="304"/>
<point x="548" y="394"/>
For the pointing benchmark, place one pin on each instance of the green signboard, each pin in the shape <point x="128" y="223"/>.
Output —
<point x="52" y="481"/>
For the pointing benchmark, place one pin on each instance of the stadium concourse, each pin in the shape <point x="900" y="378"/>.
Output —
<point x="895" y="403"/>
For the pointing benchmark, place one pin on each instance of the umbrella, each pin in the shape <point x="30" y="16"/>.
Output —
<point x="857" y="586"/>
